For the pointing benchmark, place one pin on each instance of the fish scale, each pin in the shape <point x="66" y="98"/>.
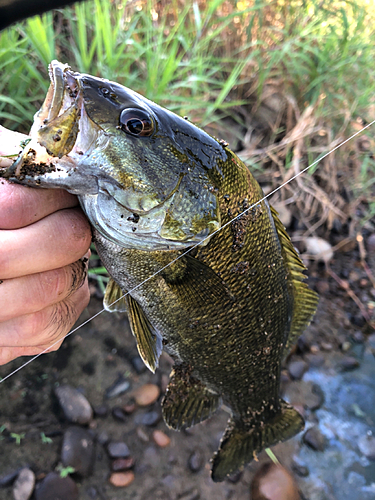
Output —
<point x="229" y="311"/>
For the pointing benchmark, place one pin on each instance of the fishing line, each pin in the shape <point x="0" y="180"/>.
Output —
<point x="192" y="248"/>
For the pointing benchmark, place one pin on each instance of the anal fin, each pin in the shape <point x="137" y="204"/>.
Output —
<point x="187" y="400"/>
<point x="149" y="341"/>
<point x="239" y="445"/>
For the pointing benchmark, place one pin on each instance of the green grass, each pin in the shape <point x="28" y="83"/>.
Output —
<point x="214" y="59"/>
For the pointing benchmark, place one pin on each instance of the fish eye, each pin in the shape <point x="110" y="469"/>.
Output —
<point x="136" y="122"/>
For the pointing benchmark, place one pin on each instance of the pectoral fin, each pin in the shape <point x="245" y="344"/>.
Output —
<point x="149" y="342"/>
<point x="114" y="300"/>
<point x="187" y="400"/>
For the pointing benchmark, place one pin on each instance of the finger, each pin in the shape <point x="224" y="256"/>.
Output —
<point x="32" y="293"/>
<point x="45" y="327"/>
<point x="10" y="142"/>
<point x="55" y="241"/>
<point x="21" y="205"/>
<point x="8" y="354"/>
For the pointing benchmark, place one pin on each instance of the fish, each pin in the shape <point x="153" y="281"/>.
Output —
<point x="197" y="257"/>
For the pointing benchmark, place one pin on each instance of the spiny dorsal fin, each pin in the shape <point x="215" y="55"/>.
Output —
<point x="239" y="446"/>
<point x="187" y="400"/>
<point x="113" y="297"/>
<point x="149" y="342"/>
<point x="305" y="299"/>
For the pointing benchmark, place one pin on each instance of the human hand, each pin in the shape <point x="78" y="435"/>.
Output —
<point x="44" y="236"/>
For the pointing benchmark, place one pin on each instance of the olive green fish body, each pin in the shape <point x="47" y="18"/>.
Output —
<point x="154" y="186"/>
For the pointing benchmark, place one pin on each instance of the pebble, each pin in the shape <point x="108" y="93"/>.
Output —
<point x="315" y="439"/>
<point x="8" y="478"/>
<point x="146" y="395"/>
<point x="118" y="449"/>
<point x="119" y="386"/>
<point x="24" y="484"/>
<point x="121" y="464"/>
<point x="119" y="414"/>
<point x="78" y="450"/>
<point x="195" y="461"/>
<point x="321" y="249"/>
<point x="297" y="369"/>
<point x="349" y="363"/>
<point x="122" y="479"/>
<point x="143" y="436"/>
<point x="235" y="477"/>
<point x="103" y="437"/>
<point x="299" y="467"/>
<point x="101" y="411"/>
<point x="273" y="482"/>
<point x="129" y="407"/>
<point x="366" y="445"/>
<point x="322" y="287"/>
<point x="306" y="394"/>
<point x="138" y="365"/>
<point x="358" y="337"/>
<point x="161" y="439"/>
<point x="150" y="418"/>
<point x="55" y="487"/>
<point x="74" y="404"/>
<point x="314" y="360"/>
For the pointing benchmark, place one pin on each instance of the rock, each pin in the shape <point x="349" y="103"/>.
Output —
<point x="306" y="394"/>
<point x="315" y="439"/>
<point x="195" y="461"/>
<point x="103" y="437"/>
<point x="235" y="477"/>
<point x="55" y="487"/>
<point x="299" y="467"/>
<point x="297" y="368"/>
<point x="119" y="414"/>
<point x="143" y="436"/>
<point x="161" y="439"/>
<point x="322" y="287"/>
<point x="9" y="478"/>
<point x="321" y="249"/>
<point x="314" y="360"/>
<point x="101" y="411"/>
<point x="157" y="493"/>
<point x="78" y="450"/>
<point x="74" y="404"/>
<point x="129" y="407"/>
<point x="122" y="479"/>
<point x="146" y="395"/>
<point x="348" y="363"/>
<point x="138" y="365"/>
<point x="121" y="464"/>
<point x="150" y="418"/>
<point x="273" y="482"/>
<point x="358" y="337"/>
<point x="119" y="386"/>
<point x="24" y="484"/>
<point x="366" y="444"/>
<point x="118" y="449"/>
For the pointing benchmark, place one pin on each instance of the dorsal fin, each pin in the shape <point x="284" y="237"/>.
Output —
<point x="305" y="299"/>
<point x="149" y="341"/>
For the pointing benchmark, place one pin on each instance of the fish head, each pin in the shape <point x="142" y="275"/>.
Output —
<point x="146" y="178"/>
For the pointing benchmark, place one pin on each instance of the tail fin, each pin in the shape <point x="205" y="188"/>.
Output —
<point x="239" y="446"/>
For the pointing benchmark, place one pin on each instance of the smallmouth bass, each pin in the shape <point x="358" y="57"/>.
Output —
<point x="153" y="185"/>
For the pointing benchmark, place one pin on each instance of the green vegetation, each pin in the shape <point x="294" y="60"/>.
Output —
<point x="292" y="78"/>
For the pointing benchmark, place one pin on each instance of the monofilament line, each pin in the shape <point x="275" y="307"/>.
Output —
<point x="194" y="246"/>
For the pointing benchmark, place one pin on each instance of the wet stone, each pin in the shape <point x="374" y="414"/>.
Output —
<point x="78" y="450"/>
<point x="129" y="407"/>
<point x="349" y="363"/>
<point x="55" y="487"/>
<point x="121" y="479"/>
<point x="150" y="418"/>
<point x="297" y="369"/>
<point x="195" y="461"/>
<point x="119" y="414"/>
<point x="142" y="434"/>
<point x="74" y="404"/>
<point x="299" y="467"/>
<point x="118" y="449"/>
<point x="138" y="365"/>
<point x="315" y="439"/>
<point x="366" y="445"/>
<point x="9" y="478"/>
<point x="235" y="477"/>
<point x="24" y="485"/>
<point x="306" y="394"/>
<point x="103" y="437"/>
<point x="161" y="439"/>
<point x="101" y="411"/>
<point x="146" y="395"/>
<point x="314" y="360"/>
<point x="121" y="464"/>
<point x="273" y="482"/>
<point x="120" y="385"/>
